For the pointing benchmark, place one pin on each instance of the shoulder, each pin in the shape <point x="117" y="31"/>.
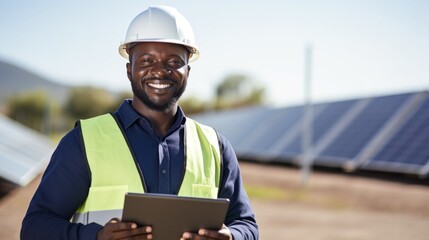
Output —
<point x="226" y="144"/>
<point x="68" y="160"/>
<point x="97" y="120"/>
<point x="70" y="146"/>
<point x="72" y="138"/>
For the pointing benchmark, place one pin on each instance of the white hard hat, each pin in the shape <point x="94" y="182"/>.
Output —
<point x="161" y="24"/>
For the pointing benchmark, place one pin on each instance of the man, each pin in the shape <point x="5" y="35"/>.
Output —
<point x="147" y="145"/>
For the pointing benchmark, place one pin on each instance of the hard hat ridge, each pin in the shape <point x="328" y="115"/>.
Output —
<point x="160" y="24"/>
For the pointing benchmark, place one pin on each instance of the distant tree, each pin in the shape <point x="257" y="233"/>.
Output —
<point x="192" y="105"/>
<point x="33" y="109"/>
<point x="119" y="99"/>
<point x="86" y="102"/>
<point x="238" y="90"/>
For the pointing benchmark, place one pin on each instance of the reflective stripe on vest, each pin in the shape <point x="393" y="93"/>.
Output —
<point x="114" y="171"/>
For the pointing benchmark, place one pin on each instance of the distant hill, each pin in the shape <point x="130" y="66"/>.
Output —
<point x="15" y="80"/>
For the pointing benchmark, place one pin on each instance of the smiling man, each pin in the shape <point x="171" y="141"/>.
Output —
<point x="147" y="146"/>
<point x="158" y="73"/>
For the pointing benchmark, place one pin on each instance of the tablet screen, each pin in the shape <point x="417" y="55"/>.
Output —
<point x="171" y="215"/>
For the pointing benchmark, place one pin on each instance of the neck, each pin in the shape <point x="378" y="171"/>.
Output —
<point x="160" y="121"/>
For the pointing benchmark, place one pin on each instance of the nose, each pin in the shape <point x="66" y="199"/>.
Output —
<point x="160" y="70"/>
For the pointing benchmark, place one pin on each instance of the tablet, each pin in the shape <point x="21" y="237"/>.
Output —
<point x="171" y="215"/>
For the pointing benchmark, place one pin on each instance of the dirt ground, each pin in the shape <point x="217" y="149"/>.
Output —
<point x="335" y="205"/>
<point x="332" y="206"/>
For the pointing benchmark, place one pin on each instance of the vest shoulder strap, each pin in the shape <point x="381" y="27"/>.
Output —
<point x="111" y="163"/>
<point x="203" y="161"/>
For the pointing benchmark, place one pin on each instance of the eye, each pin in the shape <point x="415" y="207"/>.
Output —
<point x="146" y="61"/>
<point x="176" y="63"/>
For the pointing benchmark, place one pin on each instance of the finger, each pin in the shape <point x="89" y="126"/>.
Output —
<point x="121" y="226"/>
<point x="138" y="233"/>
<point x="114" y="220"/>
<point x="142" y="230"/>
<point x="149" y="237"/>
<point x="188" y="235"/>
<point x="116" y="225"/>
<point x="221" y="234"/>
<point x="185" y="235"/>
<point x="208" y="233"/>
<point x="201" y="235"/>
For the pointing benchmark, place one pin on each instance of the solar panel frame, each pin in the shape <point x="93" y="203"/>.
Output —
<point x="363" y="128"/>
<point x="23" y="152"/>
<point x="325" y="117"/>
<point x="409" y="144"/>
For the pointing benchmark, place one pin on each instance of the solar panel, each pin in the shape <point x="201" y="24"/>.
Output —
<point x="243" y="124"/>
<point x="236" y="124"/>
<point x="364" y="127"/>
<point x="23" y="152"/>
<point x="370" y="133"/>
<point x="408" y="148"/>
<point x="276" y="125"/>
<point x="329" y="114"/>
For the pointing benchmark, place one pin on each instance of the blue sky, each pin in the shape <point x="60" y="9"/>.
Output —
<point x="360" y="48"/>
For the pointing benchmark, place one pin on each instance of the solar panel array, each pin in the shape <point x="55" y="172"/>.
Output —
<point x="408" y="149"/>
<point x="23" y="152"/>
<point x="385" y="133"/>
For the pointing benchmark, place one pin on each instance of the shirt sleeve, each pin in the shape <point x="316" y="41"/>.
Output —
<point x="240" y="218"/>
<point x="63" y="188"/>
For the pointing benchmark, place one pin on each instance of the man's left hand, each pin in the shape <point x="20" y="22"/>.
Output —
<point x="204" y="234"/>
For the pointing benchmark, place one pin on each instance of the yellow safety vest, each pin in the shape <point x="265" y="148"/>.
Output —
<point x="114" y="171"/>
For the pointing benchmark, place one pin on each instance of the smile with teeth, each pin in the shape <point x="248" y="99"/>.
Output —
<point x="159" y="85"/>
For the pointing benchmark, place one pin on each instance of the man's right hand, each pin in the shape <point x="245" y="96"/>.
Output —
<point x="115" y="229"/>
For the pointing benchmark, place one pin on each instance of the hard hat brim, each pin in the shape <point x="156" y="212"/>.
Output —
<point x="195" y="54"/>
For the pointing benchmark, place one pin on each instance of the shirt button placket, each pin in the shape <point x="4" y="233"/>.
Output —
<point x="164" y="177"/>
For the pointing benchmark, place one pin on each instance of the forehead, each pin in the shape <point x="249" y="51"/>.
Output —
<point x="158" y="48"/>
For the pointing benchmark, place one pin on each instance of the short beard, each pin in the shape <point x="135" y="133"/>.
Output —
<point x="159" y="107"/>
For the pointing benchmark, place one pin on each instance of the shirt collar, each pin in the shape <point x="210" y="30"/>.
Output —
<point x="129" y="115"/>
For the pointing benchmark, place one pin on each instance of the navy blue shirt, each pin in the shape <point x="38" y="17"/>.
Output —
<point x="66" y="181"/>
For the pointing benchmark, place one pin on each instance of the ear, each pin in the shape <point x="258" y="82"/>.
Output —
<point x="189" y="70"/>
<point x="129" y="71"/>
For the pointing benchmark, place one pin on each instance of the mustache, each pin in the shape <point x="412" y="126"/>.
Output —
<point x="143" y="79"/>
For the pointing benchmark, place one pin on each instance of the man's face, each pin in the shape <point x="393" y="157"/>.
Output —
<point x="158" y="73"/>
